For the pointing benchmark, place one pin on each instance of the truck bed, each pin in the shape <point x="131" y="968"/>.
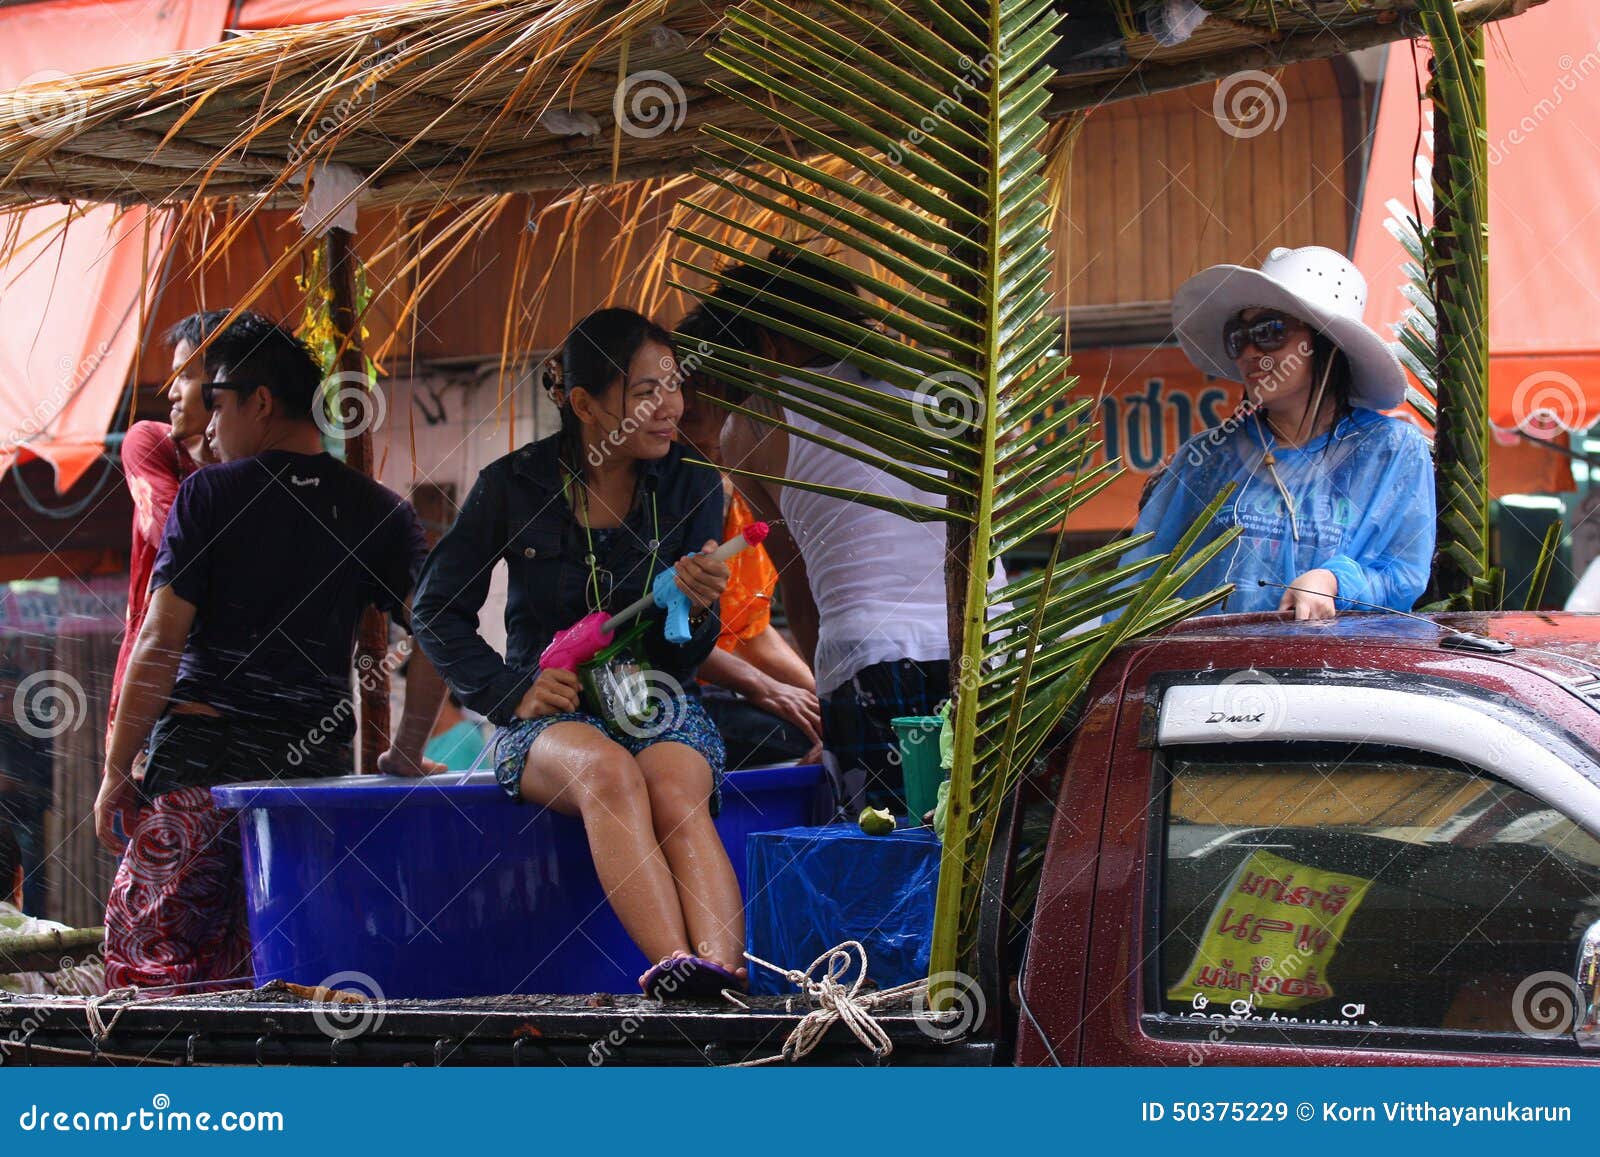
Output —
<point x="275" y="1026"/>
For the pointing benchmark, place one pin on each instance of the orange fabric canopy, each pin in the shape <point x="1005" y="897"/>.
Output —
<point x="1544" y="232"/>
<point x="72" y="299"/>
<point x="258" y="14"/>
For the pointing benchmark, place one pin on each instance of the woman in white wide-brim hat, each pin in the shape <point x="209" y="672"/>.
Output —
<point x="1334" y="498"/>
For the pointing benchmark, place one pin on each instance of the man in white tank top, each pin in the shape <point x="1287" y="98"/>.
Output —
<point x="863" y="589"/>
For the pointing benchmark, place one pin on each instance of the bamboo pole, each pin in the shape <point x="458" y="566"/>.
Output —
<point x="372" y="641"/>
<point x="49" y="951"/>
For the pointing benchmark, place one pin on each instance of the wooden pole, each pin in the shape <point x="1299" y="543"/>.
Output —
<point x="372" y="641"/>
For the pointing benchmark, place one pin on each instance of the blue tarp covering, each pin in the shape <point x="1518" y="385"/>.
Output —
<point x="810" y="888"/>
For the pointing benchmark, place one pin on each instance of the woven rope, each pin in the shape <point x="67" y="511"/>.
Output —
<point x="836" y="1003"/>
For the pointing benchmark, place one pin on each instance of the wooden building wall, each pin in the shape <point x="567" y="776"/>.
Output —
<point x="1161" y="188"/>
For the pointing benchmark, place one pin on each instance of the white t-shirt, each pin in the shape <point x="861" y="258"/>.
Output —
<point x="877" y="578"/>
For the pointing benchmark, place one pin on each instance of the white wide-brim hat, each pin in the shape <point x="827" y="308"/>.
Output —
<point x="1314" y="284"/>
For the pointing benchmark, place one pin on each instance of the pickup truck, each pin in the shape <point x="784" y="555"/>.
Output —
<point x="1369" y="841"/>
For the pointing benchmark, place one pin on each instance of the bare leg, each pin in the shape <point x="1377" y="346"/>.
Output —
<point x="679" y="782"/>
<point x="574" y="769"/>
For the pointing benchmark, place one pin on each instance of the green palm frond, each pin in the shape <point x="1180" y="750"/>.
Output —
<point x="1418" y="328"/>
<point x="1457" y="254"/>
<point x="913" y="151"/>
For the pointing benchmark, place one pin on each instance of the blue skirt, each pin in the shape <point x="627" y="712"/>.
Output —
<point x="687" y="723"/>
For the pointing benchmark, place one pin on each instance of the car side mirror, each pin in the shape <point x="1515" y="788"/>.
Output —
<point x="1587" y="1024"/>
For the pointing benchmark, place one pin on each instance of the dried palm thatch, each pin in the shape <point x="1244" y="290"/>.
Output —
<point x="453" y="100"/>
<point x="456" y="110"/>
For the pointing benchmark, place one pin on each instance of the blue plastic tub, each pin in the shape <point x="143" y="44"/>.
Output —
<point x="444" y="887"/>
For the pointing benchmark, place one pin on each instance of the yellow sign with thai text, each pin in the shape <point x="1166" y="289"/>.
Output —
<point x="1271" y="937"/>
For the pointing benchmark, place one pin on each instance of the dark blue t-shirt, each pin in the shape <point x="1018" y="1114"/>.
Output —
<point x="280" y="554"/>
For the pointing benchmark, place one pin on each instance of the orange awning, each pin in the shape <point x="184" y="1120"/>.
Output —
<point x="258" y="14"/>
<point x="71" y="299"/>
<point x="1544" y="218"/>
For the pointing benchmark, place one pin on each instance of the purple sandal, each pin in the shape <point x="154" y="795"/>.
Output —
<point x="685" y="977"/>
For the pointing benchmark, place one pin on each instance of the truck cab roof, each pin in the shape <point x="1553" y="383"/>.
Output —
<point x="1560" y="646"/>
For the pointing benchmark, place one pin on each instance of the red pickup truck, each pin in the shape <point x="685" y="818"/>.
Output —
<point x="1369" y="841"/>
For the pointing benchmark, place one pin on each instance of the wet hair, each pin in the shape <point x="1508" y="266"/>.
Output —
<point x="737" y="287"/>
<point x="195" y="328"/>
<point x="595" y="357"/>
<point x="10" y="861"/>
<point x="255" y="348"/>
<point x="714" y="322"/>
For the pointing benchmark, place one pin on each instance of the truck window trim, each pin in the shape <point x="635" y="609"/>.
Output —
<point x="1447" y="720"/>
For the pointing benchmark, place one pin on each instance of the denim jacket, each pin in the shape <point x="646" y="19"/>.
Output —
<point x="517" y="511"/>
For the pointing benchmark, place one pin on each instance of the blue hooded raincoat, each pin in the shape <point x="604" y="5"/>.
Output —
<point x="1363" y="508"/>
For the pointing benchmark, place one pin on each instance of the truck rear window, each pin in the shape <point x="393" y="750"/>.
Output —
<point x="1364" y="886"/>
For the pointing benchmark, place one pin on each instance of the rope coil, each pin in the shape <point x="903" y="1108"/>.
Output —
<point x="836" y="1003"/>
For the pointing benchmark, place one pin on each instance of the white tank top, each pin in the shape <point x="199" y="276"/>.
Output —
<point x="877" y="578"/>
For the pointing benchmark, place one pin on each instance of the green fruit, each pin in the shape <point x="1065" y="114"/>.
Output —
<point x="876" y="821"/>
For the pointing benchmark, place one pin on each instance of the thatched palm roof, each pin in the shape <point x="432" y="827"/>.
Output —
<point x="451" y="100"/>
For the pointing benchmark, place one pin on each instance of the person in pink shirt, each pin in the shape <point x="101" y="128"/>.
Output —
<point x="156" y="457"/>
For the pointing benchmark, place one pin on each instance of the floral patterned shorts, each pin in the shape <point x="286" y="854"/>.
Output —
<point x="686" y="723"/>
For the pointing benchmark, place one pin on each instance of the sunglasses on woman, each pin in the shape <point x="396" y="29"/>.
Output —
<point x="1268" y="333"/>
<point x="208" y="391"/>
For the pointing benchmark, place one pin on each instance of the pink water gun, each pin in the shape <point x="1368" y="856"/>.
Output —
<point x="593" y="633"/>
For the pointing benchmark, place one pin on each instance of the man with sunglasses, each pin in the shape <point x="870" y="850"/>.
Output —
<point x="242" y="668"/>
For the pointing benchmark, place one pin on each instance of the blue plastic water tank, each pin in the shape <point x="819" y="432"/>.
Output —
<point x="443" y="886"/>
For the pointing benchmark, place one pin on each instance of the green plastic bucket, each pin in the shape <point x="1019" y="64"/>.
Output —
<point x="919" y="761"/>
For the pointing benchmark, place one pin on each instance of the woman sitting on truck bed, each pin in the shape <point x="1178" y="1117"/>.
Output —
<point x="1334" y="498"/>
<point x="585" y="520"/>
